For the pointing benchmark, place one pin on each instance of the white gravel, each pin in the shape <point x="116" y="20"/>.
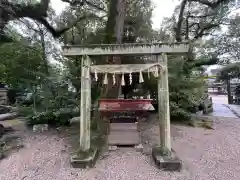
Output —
<point x="207" y="155"/>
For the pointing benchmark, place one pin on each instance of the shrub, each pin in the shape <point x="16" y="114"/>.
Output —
<point x="12" y="95"/>
<point x="25" y="111"/>
<point x="40" y="118"/>
<point x="63" y="116"/>
<point x="55" y="118"/>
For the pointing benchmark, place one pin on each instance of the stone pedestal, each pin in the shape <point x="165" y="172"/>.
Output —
<point x="123" y="134"/>
<point x="168" y="161"/>
<point x="84" y="162"/>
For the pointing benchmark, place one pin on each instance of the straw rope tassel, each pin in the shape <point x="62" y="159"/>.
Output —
<point x="114" y="79"/>
<point x="148" y="74"/>
<point x="123" y="81"/>
<point x="105" y="81"/>
<point x="156" y="74"/>
<point x="130" y="78"/>
<point x="96" y="76"/>
<point x="141" y="80"/>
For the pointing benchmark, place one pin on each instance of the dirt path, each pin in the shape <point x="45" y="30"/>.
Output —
<point x="207" y="155"/>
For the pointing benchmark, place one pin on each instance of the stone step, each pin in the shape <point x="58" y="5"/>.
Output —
<point x="123" y="120"/>
<point x="123" y="127"/>
<point x="127" y="138"/>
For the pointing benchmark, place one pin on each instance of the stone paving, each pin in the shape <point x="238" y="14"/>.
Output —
<point x="221" y="107"/>
<point x="234" y="108"/>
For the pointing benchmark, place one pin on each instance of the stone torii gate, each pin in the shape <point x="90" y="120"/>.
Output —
<point x="162" y="155"/>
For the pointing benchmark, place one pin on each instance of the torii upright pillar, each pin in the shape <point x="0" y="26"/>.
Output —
<point x="85" y="108"/>
<point x="163" y="156"/>
<point x="163" y="105"/>
<point x="86" y="155"/>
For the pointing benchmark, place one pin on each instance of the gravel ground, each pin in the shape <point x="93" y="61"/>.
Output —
<point x="207" y="155"/>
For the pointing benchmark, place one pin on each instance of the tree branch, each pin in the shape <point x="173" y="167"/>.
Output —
<point x="57" y="33"/>
<point x="36" y="12"/>
<point x="180" y="20"/>
<point x="21" y="10"/>
<point x="200" y="32"/>
<point x="82" y="2"/>
<point x="202" y="16"/>
<point x="206" y="62"/>
<point x="211" y="4"/>
<point x="193" y="24"/>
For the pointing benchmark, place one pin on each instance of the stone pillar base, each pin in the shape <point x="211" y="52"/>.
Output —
<point x="85" y="161"/>
<point x="167" y="162"/>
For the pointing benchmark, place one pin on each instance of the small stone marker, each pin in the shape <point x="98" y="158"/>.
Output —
<point x="40" y="127"/>
<point x="75" y="120"/>
<point x="139" y="148"/>
<point x="112" y="148"/>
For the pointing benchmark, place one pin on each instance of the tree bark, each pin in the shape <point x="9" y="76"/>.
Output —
<point x="45" y="64"/>
<point x="114" y="34"/>
<point x="180" y="20"/>
<point x="111" y="22"/>
<point x="2" y="22"/>
<point x="229" y="89"/>
<point x="44" y="55"/>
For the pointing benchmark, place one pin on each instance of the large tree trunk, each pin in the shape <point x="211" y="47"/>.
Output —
<point x="114" y="34"/>
<point x="44" y="55"/>
<point x="2" y="22"/>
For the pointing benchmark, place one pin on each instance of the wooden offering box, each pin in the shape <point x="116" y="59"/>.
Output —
<point x="122" y="116"/>
<point x="108" y="106"/>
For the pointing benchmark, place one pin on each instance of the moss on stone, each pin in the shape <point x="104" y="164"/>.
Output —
<point x="162" y="151"/>
<point x="85" y="154"/>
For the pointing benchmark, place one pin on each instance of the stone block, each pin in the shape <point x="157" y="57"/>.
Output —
<point x="147" y="150"/>
<point x="139" y="148"/>
<point x="112" y="148"/>
<point x="75" y="120"/>
<point x="40" y="128"/>
<point x="168" y="162"/>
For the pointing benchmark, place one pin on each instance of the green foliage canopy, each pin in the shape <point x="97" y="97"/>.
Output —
<point x="20" y="64"/>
